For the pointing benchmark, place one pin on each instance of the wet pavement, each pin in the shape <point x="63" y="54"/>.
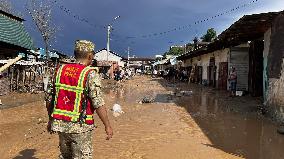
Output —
<point x="199" y="125"/>
<point x="234" y="125"/>
<point x="18" y="99"/>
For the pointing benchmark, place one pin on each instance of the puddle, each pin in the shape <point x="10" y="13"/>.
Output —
<point x="233" y="125"/>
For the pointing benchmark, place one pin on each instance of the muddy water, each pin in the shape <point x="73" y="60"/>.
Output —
<point x="233" y="125"/>
<point x="200" y="126"/>
<point x="19" y="99"/>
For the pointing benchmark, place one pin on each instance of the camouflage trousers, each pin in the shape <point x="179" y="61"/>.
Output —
<point x="76" y="146"/>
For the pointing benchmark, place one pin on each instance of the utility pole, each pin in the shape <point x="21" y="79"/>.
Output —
<point x="108" y="40"/>
<point x="109" y="27"/>
<point x="128" y="51"/>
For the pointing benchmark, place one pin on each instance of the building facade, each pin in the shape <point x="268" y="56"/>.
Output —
<point x="254" y="46"/>
<point x="109" y="62"/>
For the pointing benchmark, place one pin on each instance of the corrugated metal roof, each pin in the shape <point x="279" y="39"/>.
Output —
<point x="248" y="28"/>
<point x="116" y="54"/>
<point x="12" y="31"/>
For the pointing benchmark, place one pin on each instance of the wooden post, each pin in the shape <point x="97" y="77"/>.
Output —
<point x="35" y="69"/>
<point x="24" y="77"/>
<point x="9" y="69"/>
<point x="12" y="78"/>
<point x="30" y="77"/>
<point x="18" y="76"/>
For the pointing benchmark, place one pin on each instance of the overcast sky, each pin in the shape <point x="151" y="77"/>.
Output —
<point x="142" y="17"/>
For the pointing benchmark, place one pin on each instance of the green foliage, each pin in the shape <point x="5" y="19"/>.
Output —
<point x="175" y="51"/>
<point x="189" y="47"/>
<point x="209" y="36"/>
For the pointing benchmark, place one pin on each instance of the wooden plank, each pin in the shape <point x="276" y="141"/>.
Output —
<point x="11" y="62"/>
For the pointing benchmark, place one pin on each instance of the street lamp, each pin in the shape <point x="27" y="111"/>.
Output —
<point x="109" y="27"/>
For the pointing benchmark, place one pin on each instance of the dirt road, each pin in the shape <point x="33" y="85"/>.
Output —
<point x="200" y="126"/>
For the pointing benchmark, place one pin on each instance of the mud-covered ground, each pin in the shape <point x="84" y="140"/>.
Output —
<point x="201" y="125"/>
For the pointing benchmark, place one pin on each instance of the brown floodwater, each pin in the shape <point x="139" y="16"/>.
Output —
<point x="233" y="125"/>
<point x="203" y="125"/>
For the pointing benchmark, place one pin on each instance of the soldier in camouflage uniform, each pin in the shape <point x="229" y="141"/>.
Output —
<point x="75" y="138"/>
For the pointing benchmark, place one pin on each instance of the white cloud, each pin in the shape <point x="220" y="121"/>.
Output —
<point x="268" y="6"/>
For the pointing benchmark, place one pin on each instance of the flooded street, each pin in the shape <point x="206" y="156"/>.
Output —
<point x="200" y="125"/>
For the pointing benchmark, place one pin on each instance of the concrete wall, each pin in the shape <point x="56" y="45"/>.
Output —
<point x="265" y="57"/>
<point x="221" y="56"/>
<point x="275" y="96"/>
<point x="204" y="63"/>
<point x="275" y="63"/>
<point x="203" y="60"/>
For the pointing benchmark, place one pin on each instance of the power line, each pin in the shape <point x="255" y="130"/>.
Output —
<point x="196" y="22"/>
<point x="179" y="28"/>
<point x="78" y="17"/>
<point x="151" y="35"/>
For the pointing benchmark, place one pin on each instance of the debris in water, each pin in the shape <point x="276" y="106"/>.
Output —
<point x="117" y="111"/>
<point x="178" y="94"/>
<point x="186" y="93"/>
<point x="280" y="129"/>
<point x="40" y="121"/>
<point x="1" y="102"/>
<point x="239" y="93"/>
<point x="147" y="99"/>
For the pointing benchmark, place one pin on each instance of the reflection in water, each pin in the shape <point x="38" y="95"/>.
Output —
<point x="231" y="124"/>
<point x="232" y="127"/>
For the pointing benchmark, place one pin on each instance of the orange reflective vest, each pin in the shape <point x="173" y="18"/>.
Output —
<point x="70" y="84"/>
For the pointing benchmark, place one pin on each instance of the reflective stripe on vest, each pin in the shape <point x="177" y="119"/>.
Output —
<point x="79" y="90"/>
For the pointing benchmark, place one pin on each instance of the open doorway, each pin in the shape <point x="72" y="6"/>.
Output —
<point x="256" y="68"/>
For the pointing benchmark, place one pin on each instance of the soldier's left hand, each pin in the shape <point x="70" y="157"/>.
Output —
<point x="109" y="132"/>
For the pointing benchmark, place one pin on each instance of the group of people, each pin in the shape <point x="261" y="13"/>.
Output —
<point x="121" y="74"/>
<point x="173" y="75"/>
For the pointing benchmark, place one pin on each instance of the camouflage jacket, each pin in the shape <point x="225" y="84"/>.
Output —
<point x="95" y="94"/>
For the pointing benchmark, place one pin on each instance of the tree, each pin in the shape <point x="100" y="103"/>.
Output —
<point x="41" y="15"/>
<point x="209" y="36"/>
<point x="189" y="47"/>
<point x="175" y="51"/>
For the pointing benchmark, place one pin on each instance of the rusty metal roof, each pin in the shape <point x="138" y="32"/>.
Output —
<point x="249" y="27"/>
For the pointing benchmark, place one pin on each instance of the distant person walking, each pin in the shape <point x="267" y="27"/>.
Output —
<point x="155" y="73"/>
<point x="233" y="81"/>
<point x="117" y="73"/>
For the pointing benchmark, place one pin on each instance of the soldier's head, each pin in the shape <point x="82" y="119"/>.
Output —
<point x="84" y="51"/>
